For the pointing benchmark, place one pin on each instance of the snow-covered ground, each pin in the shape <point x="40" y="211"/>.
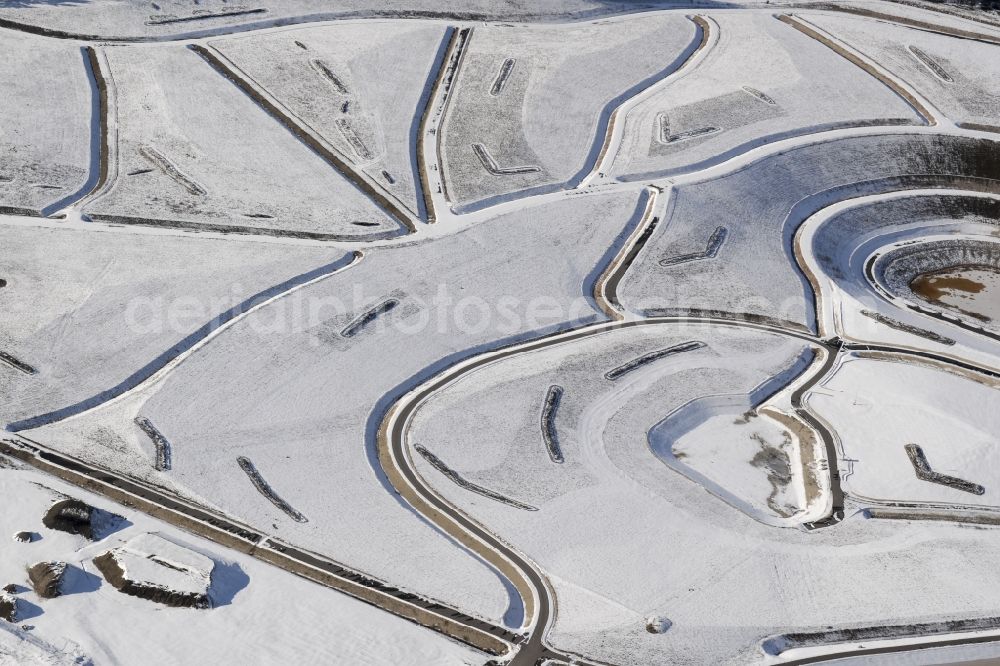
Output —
<point x="759" y="80"/>
<point x="290" y="390"/>
<point x="193" y="149"/>
<point x="536" y="99"/>
<point x="753" y="270"/>
<point x="876" y="407"/>
<point x="260" y="613"/>
<point x="47" y="110"/>
<point x="485" y="394"/>
<point x="960" y="76"/>
<point x="177" y="19"/>
<point x="89" y="310"/>
<point x="848" y="247"/>
<point x="360" y="85"/>
<point x="622" y="536"/>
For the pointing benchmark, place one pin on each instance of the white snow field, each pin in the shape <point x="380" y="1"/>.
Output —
<point x="194" y="151"/>
<point x="361" y="86"/>
<point x="760" y="80"/>
<point x="297" y="392"/>
<point x="495" y="427"/>
<point x="487" y="333"/>
<point x="878" y="406"/>
<point x="531" y="103"/>
<point x="45" y="136"/>
<point x="769" y="198"/>
<point x="259" y="612"/>
<point x="852" y="251"/>
<point x="960" y="76"/>
<point x="124" y="305"/>
<point x="623" y="537"/>
<point x="178" y="19"/>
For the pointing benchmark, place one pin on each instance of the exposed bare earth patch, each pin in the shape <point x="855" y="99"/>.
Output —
<point x="974" y="291"/>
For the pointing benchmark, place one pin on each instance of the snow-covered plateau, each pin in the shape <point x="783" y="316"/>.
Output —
<point x="492" y="332"/>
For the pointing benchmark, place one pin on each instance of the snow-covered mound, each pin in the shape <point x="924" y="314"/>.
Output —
<point x="8" y="607"/>
<point x="76" y="517"/>
<point x="150" y="567"/>
<point x="47" y="578"/>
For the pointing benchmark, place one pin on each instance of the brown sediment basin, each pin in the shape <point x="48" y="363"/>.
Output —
<point x="972" y="290"/>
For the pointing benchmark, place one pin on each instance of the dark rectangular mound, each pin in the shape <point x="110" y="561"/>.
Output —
<point x="113" y="572"/>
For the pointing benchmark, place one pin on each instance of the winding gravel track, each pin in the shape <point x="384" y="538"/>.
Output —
<point x="395" y="458"/>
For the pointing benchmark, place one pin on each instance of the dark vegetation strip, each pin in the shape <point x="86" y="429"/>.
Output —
<point x="16" y="363"/>
<point x="439" y="465"/>
<point x="166" y="20"/>
<point x="229" y="533"/>
<point x="368" y="317"/>
<point x="462" y="39"/>
<point x="265" y="489"/>
<point x="357" y="145"/>
<point x="324" y="70"/>
<point x="962" y="516"/>
<point x="16" y="210"/>
<point x="160" y="443"/>
<point x="160" y="161"/>
<point x="549" y="432"/>
<point x="900" y="326"/>
<point x="980" y="127"/>
<point x="435" y="78"/>
<point x="491" y="165"/>
<point x="925" y="473"/>
<point x="505" y="70"/>
<point x="767" y="99"/>
<point x="931" y="64"/>
<point x="239" y="229"/>
<point x="779" y="644"/>
<point x="635" y="364"/>
<point x="666" y="137"/>
<point x="302" y="135"/>
<point x="715" y="242"/>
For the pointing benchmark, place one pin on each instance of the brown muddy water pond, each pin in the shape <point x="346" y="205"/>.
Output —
<point x="974" y="291"/>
